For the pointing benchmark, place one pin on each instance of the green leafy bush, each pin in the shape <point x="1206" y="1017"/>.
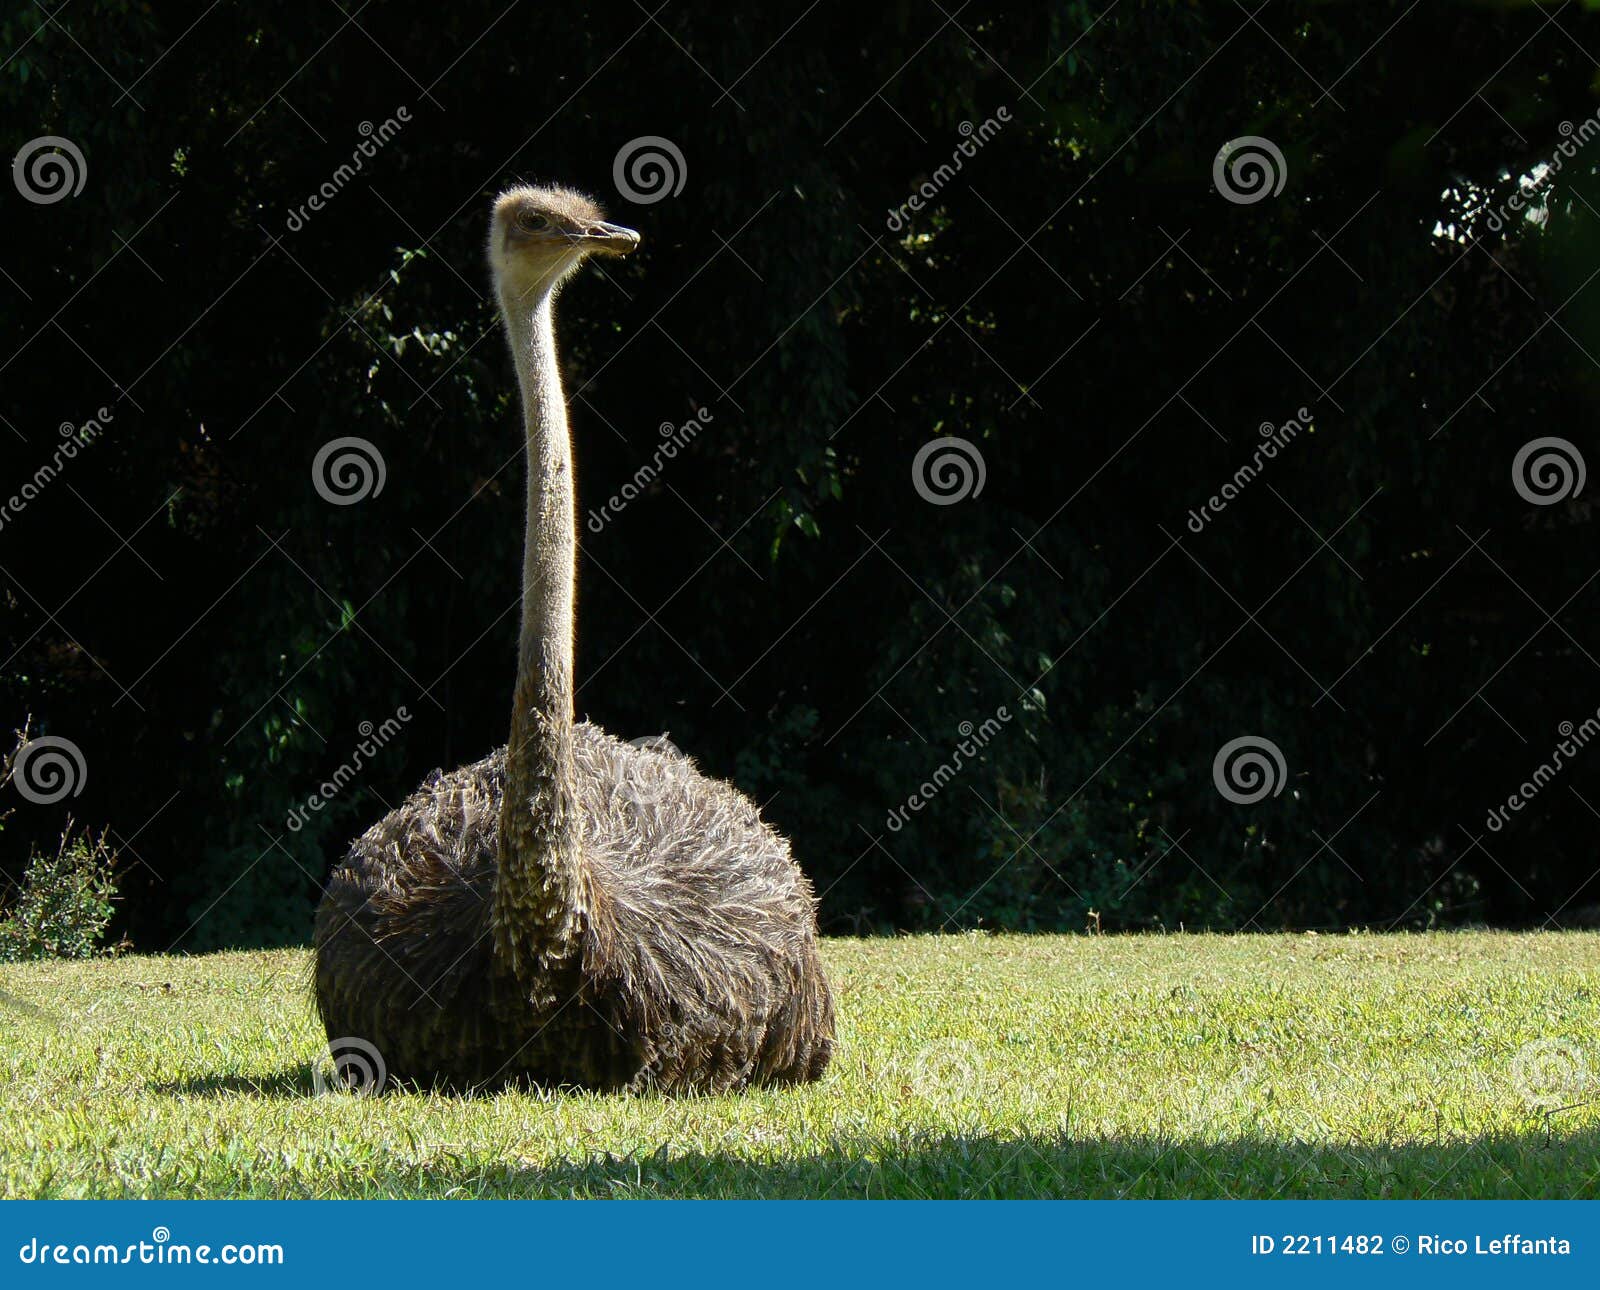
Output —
<point x="64" y="904"/>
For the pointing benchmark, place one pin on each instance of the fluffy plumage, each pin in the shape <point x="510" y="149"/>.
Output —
<point x="699" y="968"/>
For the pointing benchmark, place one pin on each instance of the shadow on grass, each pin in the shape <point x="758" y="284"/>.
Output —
<point x="1300" y="1158"/>
<point x="1544" y="1161"/>
<point x="1538" y="1165"/>
<point x="293" y="1082"/>
<point x="290" y="1082"/>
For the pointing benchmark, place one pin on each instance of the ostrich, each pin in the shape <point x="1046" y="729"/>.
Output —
<point x="572" y="909"/>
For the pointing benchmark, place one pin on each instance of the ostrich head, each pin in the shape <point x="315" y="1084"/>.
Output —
<point x="538" y="236"/>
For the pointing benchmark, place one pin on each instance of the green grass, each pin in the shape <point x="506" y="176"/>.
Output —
<point x="968" y="1066"/>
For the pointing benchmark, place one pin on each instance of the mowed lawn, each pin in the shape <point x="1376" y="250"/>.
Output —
<point x="1443" y="1065"/>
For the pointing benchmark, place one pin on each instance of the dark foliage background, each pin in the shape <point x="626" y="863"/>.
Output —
<point x="1078" y="302"/>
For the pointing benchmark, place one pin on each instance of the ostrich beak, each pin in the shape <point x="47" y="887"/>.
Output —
<point x="611" y="239"/>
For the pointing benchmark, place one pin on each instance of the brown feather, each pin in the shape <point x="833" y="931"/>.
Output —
<point x="699" y="967"/>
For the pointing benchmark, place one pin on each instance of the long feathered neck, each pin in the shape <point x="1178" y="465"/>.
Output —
<point x="540" y="901"/>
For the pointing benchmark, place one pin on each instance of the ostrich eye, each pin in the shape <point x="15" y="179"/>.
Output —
<point x="533" y="221"/>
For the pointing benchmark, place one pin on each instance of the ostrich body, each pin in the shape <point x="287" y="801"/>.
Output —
<point x="571" y="910"/>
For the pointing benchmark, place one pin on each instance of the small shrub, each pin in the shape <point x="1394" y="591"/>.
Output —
<point x="64" y="905"/>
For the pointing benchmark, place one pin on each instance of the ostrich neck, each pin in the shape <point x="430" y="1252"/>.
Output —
<point x="540" y="907"/>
